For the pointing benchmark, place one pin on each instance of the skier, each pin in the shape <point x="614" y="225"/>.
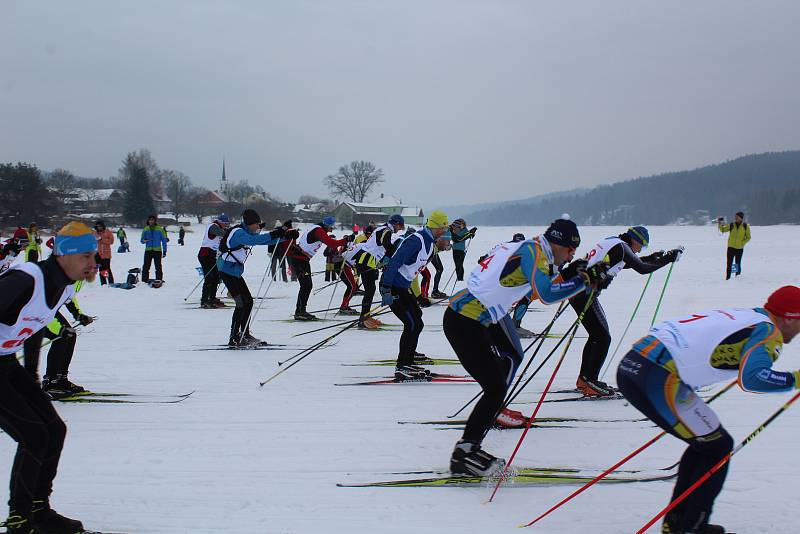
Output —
<point x="207" y="256"/>
<point x="395" y="287"/>
<point x="234" y="249"/>
<point x="62" y="347"/>
<point x="738" y="237"/>
<point x="30" y="296"/>
<point x="33" y="250"/>
<point x="104" y="241"/>
<point x="122" y="237"/>
<point x="181" y="235"/>
<point x="300" y="254"/>
<point x="332" y="256"/>
<point x="8" y="253"/>
<point x="660" y="374"/>
<point x="367" y="261"/>
<point x="479" y="328"/>
<point x="154" y="238"/>
<point x="460" y="234"/>
<point x="620" y="253"/>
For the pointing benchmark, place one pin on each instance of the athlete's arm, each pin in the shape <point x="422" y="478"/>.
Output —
<point x="542" y="285"/>
<point x="755" y="367"/>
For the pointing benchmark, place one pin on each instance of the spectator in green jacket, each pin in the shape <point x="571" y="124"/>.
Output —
<point x="154" y="238"/>
<point x="738" y="236"/>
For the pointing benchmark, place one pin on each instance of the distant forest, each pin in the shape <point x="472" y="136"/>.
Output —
<point x="765" y="186"/>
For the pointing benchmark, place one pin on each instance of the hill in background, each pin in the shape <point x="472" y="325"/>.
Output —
<point x="765" y="186"/>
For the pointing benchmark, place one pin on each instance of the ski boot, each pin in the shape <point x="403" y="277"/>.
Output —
<point x="235" y="341"/>
<point x="304" y="316"/>
<point x="217" y="303"/>
<point x="45" y="519"/>
<point x="439" y="295"/>
<point x="59" y="386"/>
<point x="207" y="306"/>
<point x="410" y="373"/>
<point x="348" y="311"/>
<point x="421" y="359"/>
<point x="368" y="324"/>
<point x="469" y="459"/>
<point x="17" y="523"/>
<point x="250" y="340"/>
<point x="423" y="302"/>
<point x="671" y="526"/>
<point x="510" y="419"/>
<point x="594" y="388"/>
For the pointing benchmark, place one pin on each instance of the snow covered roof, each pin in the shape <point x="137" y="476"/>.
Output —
<point x="85" y="195"/>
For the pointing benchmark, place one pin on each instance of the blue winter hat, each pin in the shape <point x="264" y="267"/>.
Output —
<point x="397" y="220"/>
<point x="329" y="220"/>
<point x="223" y="218"/>
<point x="639" y="234"/>
<point x="74" y="238"/>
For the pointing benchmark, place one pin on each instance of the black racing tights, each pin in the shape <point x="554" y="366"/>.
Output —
<point x="238" y="289"/>
<point x="596" y="348"/>
<point x="406" y="309"/>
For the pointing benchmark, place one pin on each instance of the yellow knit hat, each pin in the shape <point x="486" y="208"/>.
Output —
<point x="437" y="219"/>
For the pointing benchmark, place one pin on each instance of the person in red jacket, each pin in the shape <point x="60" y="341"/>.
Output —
<point x="300" y="254"/>
<point x="105" y="238"/>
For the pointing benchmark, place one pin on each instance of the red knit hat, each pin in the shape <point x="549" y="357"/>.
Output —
<point x="785" y="302"/>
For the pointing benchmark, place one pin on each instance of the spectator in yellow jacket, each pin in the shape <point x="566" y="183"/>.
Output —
<point x="738" y="236"/>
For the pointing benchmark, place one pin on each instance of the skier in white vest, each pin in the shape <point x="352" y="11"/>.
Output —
<point x="619" y="253"/>
<point x="661" y="373"/>
<point x="30" y="296"/>
<point x="480" y="329"/>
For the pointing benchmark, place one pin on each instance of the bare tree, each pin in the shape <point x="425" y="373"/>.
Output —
<point x="354" y="182"/>
<point x="177" y="186"/>
<point x="194" y="206"/>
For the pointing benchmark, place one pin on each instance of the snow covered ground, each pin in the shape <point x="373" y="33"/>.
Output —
<point x="238" y="458"/>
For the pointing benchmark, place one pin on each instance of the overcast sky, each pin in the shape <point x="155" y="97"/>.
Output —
<point x="458" y="101"/>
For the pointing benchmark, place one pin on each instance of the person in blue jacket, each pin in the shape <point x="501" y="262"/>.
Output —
<point x="234" y="249"/>
<point x="154" y="238"/>
<point x="395" y="287"/>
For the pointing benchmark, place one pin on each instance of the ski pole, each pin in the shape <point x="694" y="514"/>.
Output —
<point x="266" y="292"/>
<point x="198" y="283"/>
<point x="544" y="394"/>
<point x="540" y="337"/>
<point x="625" y="332"/>
<point x="339" y="277"/>
<point x="338" y="307"/>
<point x="620" y="463"/>
<point x="719" y="465"/>
<point x="371" y="314"/>
<point x="661" y="297"/>
<point x="300" y="356"/>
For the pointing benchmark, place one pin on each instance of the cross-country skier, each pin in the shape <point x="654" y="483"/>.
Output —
<point x="395" y="287"/>
<point x="479" y="328"/>
<point x="30" y="296"/>
<point x="154" y="238"/>
<point x="460" y="234"/>
<point x="660" y="375"/>
<point x="738" y="237"/>
<point x="367" y="261"/>
<point x="181" y="235"/>
<point x="8" y="253"/>
<point x="122" y="237"/>
<point x="619" y="253"/>
<point x="300" y="254"/>
<point x="56" y="382"/>
<point x="33" y="250"/>
<point x="207" y="256"/>
<point x="234" y="249"/>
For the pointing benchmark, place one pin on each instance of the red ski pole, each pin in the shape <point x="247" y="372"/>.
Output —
<point x="717" y="467"/>
<point x="530" y="420"/>
<point x="616" y="466"/>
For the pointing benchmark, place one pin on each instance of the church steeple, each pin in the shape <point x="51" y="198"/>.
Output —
<point x="223" y="183"/>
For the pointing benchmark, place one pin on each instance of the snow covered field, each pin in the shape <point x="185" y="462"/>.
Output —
<point x="235" y="458"/>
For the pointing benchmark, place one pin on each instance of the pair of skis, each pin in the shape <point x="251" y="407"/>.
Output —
<point x="89" y="397"/>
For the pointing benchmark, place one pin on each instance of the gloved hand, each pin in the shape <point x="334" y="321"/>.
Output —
<point x="472" y="231"/>
<point x="596" y="275"/>
<point x="350" y="237"/>
<point x="291" y="234"/>
<point x="386" y="295"/>
<point x="278" y="232"/>
<point x="164" y="255"/>
<point x="572" y="269"/>
<point x="673" y="255"/>
<point x="287" y="224"/>
<point x="85" y="319"/>
<point x="262" y="225"/>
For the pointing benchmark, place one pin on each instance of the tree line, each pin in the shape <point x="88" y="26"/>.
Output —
<point x="765" y="186"/>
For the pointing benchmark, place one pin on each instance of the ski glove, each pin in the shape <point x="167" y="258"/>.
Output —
<point x="596" y="275"/>
<point x="278" y="232"/>
<point x="291" y="234"/>
<point x="571" y="270"/>
<point x="85" y="319"/>
<point x="472" y="231"/>
<point x="350" y="238"/>
<point x="673" y="255"/>
<point x="386" y="295"/>
<point x="287" y="224"/>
